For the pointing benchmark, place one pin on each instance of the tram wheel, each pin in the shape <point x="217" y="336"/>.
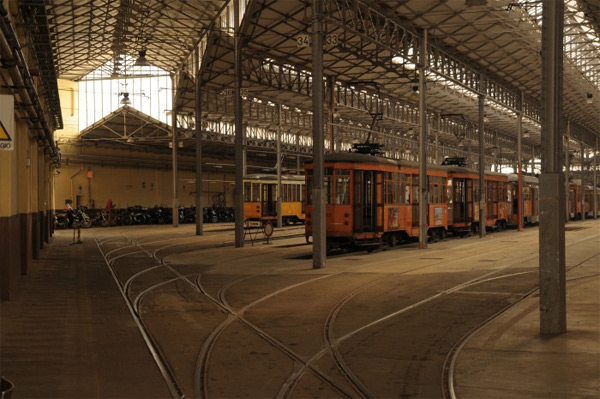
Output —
<point x="393" y="240"/>
<point x="442" y="234"/>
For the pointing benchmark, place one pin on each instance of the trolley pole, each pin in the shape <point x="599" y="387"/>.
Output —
<point x="318" y="195"/>
<point x="239" y="132"/>
<point x="174" y="144"/>
<point x="553" y="312"/>
<point x="423" y="181"/>
<point x="199" y="213"/>
<point x="482" y="215"/>
<point x="520" y="164"/>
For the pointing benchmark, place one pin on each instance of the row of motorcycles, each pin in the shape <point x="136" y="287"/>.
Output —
<point x="137" y="215"/>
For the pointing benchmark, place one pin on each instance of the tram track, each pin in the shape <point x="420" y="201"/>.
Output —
<point x="135" y="305"/>
<point x="333" y="344"/>
<point x="220" y="300"/>
<point x="448" y="375"/>
<point x="160" y="360"/>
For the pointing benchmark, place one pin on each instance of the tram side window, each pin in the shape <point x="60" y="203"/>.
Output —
<point x="395" y="188"/>
<point x="437" y="188"/>
<point x="255" y="192"/>
<point x="342" y="190"/>
<point x="526" y="195"/>
<point x="415" y="189"/>
<point x="293" y="193"/>
<point x="247" y="192"/>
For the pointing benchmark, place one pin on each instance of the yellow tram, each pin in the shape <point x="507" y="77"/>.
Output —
<point x="260" y="198"/>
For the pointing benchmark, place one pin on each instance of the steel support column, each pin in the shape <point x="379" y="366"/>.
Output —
<point x="174" y="144"/>
<point x="279" y="193"/>
<point x="198" y="122"/>
<point x="595" y="177"/>
<point x="318" y="195"/>
<point x="436" y="133"/>
<point x="423" y="183"/>
<point x="520" y="163"/>
<point x="244" y="162"/>
<point x="553" y="314"/>
<point x="331" y="106"/>
<point x="482" y="215"/>
<point x="582" y="182"/>
<point x="567" y="171"/>
<point x="239" y="132"/>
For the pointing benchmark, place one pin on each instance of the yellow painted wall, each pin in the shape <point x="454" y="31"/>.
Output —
<point x="68" y="92"/>
<point x="129" y="186"/>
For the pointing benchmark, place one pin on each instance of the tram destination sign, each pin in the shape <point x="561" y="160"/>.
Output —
<point x="7" y="122"/>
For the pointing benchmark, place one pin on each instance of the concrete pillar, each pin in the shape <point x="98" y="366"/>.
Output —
<point x="318" y="195"/>
<point x="423" y="181"/>
<point x="35" y="201"/>
<point x="553" y="315"/>
<point x="239" y="132"/>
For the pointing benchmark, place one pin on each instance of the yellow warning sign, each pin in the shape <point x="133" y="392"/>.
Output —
<point x="4" y="133"/>
<point x="7" y="123"/>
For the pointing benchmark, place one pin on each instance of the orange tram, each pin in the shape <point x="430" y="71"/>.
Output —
<point x="371" y="200"/>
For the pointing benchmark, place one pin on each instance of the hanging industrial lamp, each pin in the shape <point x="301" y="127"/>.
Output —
<point x="141" y="60"/>
<point x="125" y="100"/>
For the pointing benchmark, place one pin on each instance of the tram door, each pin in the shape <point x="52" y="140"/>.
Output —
<point x="367" y="185"/>
<point x="269" y="203"/>
<point x="463" y="200"/>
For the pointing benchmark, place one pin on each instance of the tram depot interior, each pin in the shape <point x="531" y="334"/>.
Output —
<point x="169" y="165"/>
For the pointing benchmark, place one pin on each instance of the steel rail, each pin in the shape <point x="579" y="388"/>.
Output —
<point x="159" y="359"/>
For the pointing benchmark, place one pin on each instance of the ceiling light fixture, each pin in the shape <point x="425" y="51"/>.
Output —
<point x="125" y="100"/>
<point x="485" y="118"/>
<point x="590" y="98"/>
<point x="142" y="61"/>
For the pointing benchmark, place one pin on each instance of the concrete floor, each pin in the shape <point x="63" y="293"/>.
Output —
<point x="260" y="322"/>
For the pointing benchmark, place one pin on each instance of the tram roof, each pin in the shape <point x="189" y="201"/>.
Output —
<point x="512" y="177"/>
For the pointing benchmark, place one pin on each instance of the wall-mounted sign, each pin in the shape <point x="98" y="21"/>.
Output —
<point x="90" y="174"/>
<point x="7" y="122"/>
